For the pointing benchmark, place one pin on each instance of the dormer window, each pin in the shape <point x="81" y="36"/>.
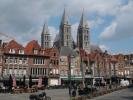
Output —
<point x="54" y="54"/>
<point x="11" y="51"/>
<point x="21" y="51"/>
<point x="35" y="51"/>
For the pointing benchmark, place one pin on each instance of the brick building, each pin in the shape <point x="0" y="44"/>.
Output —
<point x="54" y="72"/>
<point x="32" y="60"/>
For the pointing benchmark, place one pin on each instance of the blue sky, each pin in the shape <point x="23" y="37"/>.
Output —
<point x="110" y="21"/>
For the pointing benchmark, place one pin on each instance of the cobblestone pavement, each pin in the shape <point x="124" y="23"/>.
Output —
<point x="55" y="94"/>
<point x="125" y="94"/>
<point x="62" y="94"/>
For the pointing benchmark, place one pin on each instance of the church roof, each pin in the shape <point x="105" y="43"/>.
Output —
<point x="65" y="51"/>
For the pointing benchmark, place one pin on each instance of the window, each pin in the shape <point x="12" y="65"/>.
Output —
<point x="15" y="60"/>
<point x="35" y="51"/>
<point x="11" y="51"/>
<point x="86" y="44"/>
<point x="6" y="60"/>
<point x="21" y="51"/>
<point x="11" y="60"/>
<point x="33" y="61"/>
<point x="25" y="60"/>
<point x="54" y="54"/>
<point x="54" y="62"/>
<point x="57" y="62"/>
<point x="57" y="71"/>
<point x="20" y="60"/>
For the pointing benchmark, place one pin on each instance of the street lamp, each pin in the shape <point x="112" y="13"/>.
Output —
<point x="91" y="73"/>
<point x="114" y="61"/>
<point x="82" y="72"/>
<point x="69" y="73"/>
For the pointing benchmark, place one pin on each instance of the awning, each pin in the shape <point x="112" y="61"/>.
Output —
<point x="73" y="78"/>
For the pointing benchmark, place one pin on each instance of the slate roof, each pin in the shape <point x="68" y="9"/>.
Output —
<point x="65" y="51"/>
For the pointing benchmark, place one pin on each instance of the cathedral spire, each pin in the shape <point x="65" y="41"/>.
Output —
<point x="83" y="22"/>
<point x="83" y="41"/>
<point x="45" y="29"/>
<point x="64" y="18"/>
<point x="45" y="37"/>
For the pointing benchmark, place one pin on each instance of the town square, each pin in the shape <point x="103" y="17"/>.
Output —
<point x="66" y="50"/>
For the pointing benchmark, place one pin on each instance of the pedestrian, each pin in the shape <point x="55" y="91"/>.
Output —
<point x="74" y="93"/>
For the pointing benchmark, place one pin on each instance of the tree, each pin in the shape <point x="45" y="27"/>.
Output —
<point x="30" y="81"/>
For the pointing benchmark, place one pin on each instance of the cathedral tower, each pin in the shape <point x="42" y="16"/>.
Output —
<point x="83" y="41"/>
<point x="65" y="38"/>
<point x="45" y="38"/>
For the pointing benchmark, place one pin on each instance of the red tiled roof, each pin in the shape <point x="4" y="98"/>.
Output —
<point x="50" y="51"/>
<point x="114" y="58"/>
<point x="32" y="45"/>
<point x="92" y="56"/>
<point x="13" y="45"/>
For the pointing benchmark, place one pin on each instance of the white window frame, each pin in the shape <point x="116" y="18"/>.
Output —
<point x="21" y="51"/>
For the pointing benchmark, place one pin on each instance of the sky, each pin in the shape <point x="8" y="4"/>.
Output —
<point x="110" y="21"/>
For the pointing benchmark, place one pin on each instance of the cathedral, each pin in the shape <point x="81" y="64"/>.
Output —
<point x="64" y="37"/>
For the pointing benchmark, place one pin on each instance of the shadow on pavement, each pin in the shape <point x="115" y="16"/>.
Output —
<point x="130" y="89"/>
<point x="127" y="97"/>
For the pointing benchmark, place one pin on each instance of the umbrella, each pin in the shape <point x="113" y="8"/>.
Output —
<point x="30" y="81"/>
<point x="39" y="82"/>
<point x="14" y="82"/>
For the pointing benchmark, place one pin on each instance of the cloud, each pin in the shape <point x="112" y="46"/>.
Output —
<point x="24" y="19"/>
<point x="101" y="7"/>
<point x="109" y="31"/>
<point x="103" y="47"/>
<point x="122" y="26"/>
